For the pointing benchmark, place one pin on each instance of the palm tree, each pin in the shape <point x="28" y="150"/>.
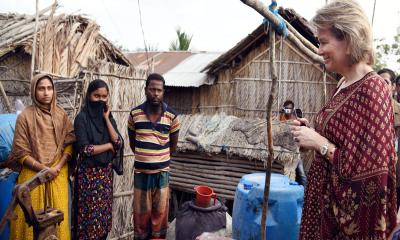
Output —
<point x="183" y="41"/>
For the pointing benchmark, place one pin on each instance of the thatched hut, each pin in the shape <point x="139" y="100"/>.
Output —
<point x="242" y="75"/>
<point x="241" y="81"/>
<point x="72" y="49"/>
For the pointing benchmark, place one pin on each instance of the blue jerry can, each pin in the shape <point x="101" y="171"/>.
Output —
<point x="284" y="208"/>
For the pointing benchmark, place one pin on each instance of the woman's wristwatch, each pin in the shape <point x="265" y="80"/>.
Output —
<point x="323" y="150"/>
<point x="327" y="150"/>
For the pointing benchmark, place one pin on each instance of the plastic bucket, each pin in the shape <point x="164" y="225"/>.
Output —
<point x="203" y="196"/>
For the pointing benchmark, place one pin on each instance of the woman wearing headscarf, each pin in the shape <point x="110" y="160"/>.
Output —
<point x="97" y="142"/>
<point x="42" y="140"/>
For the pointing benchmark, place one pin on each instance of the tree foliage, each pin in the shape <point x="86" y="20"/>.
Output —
<point x="182" y="43"/>
<point x="387" y="52"/>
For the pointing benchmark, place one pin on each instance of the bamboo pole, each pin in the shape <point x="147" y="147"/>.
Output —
<point x="271" y="98"/>
<point x="373" y="14"/>
<point x="114" y="75"/>
<point x="301" y="38"/>
<point x="6" y="100"/>
<point x="35" y="40"/>
<point x="263" y="10"/>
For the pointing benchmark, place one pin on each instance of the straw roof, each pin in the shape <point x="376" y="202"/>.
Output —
<point x="65" y="42"/>
<point x="259" y="36"/>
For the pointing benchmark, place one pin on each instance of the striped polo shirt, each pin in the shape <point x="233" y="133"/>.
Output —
<point x="152" y="140"/>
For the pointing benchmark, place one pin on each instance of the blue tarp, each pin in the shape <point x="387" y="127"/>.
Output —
<point x="8" y="178"/>
<point x="7" y="127"/>
<point x="7" y="183"/>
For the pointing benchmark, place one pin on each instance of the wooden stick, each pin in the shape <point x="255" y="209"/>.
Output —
<point x="35" y="40"/>
<point x="283" y="80"/>
<point x="300" y="37"/>
<point x="204" y="179"/>
<point x="206" y="171"/>
<point x="269" y="132"/>
<point x="7" y="101"/>
<point x="210" y="176"/>
<point x="114" y="75"/>
<point x="15" y="80"/>
<point x="241" y="164"/>
<point x="218" y="174"/>
<point x="263" y="10"/>
<point x="225" y="167"/>
<point x="123" y="194"/>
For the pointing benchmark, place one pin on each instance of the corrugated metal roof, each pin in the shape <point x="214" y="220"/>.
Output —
<point x="179" y="68"/>
<point x="188" y="72"/>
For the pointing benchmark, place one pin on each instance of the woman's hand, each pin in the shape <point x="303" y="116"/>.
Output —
<point x="301" y="122"/>
<point x="308" y="138"/>
<point x="111" y="148"/>
<point x="52" y="172"/>
<point x="107" y="111"/>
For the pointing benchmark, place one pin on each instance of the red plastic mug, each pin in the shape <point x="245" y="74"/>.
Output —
<point x="203" y="196"/>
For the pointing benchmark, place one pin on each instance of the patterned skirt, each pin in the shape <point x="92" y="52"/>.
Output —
<point x="93" y="201"/>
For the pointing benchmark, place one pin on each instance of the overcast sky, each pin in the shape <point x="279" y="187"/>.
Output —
<point x="216" y="25"/>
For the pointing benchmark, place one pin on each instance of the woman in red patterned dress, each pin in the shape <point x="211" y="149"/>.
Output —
<point x="351" y="192"/>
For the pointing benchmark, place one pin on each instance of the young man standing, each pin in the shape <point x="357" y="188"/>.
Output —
<point x="153" y="129"/>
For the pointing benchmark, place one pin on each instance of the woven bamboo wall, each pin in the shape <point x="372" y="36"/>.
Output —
<point x="14" y="75"/>
<point x="243" y="90"/>
<point x="181" y="99"/>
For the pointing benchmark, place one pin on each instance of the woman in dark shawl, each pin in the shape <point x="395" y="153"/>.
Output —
<point x="97" y="142"/>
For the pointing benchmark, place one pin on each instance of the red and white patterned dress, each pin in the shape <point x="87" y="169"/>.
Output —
<point x="354" y="197"/>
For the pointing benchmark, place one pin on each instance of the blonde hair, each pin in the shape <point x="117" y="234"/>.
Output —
<point x="347" y="21"/>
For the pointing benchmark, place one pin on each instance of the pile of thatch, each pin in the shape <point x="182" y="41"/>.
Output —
<point x="65" y="44"/>
<point x="233" y="136"/>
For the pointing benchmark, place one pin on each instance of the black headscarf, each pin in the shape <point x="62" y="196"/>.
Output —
<point x="90" y="126"/>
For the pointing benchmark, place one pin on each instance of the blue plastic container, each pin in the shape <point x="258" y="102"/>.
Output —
<point x="284" y="208"/>
<point x="7" y="182"/>
<point x="7" y="128"/>
<point x="6" y="185"/>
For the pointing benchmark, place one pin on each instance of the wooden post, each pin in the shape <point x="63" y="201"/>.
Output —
<point x="263" y="10"/>
<point x="6" y="100"/>
<point x="271" y="98"/>
<point x="34" y="40"/>
<point x="373" y="14"/>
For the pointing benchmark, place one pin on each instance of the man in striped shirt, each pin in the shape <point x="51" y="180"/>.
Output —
<point x="153" y="129"/>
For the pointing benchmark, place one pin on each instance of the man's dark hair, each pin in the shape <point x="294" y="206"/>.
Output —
<point x="155" y="76"/>
<point x="388" y="71"/>
<point x="288" y="102"/>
